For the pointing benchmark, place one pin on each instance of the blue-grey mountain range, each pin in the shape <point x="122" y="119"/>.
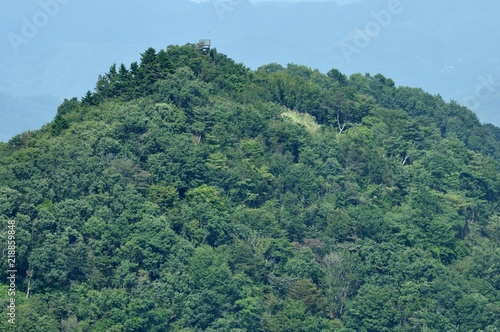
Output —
<point x="55" y="49"/>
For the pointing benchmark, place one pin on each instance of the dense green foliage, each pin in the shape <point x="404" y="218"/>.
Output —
<point x="189" y="193"/>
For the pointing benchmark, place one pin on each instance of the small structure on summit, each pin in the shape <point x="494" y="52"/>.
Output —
<point x="204" y="45"/>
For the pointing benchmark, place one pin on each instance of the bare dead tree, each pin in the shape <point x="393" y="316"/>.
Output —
<point x="29" y="274"/>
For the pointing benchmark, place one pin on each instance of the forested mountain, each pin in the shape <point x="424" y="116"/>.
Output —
<point x="190" y="193"/>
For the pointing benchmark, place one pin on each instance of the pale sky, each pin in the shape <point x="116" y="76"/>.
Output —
<point x="340" y="2"/>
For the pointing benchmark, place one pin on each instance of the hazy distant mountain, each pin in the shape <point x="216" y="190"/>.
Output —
<point x="26" y="113"/>
<point x="445" y="48"/>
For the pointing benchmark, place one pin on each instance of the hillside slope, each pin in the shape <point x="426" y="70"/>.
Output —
<point x="190" y="193"/>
